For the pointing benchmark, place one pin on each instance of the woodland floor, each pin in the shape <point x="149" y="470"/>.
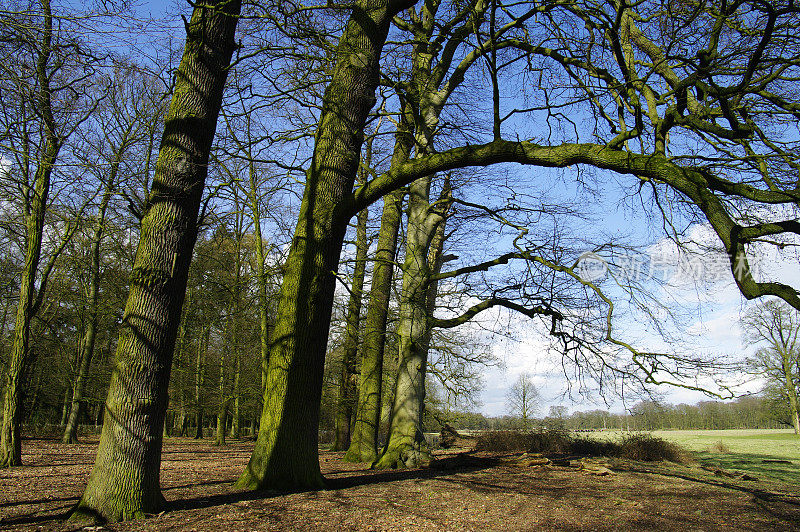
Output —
<point x="479" y="491"/>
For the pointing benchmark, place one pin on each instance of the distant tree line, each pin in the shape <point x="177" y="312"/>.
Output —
<point x="752" y="412"/>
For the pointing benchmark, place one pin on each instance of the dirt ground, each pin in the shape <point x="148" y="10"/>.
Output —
<point x="459" y="492"/>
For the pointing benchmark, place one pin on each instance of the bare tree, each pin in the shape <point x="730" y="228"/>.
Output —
<point x="775" y="326"/>
<point x="523" y="399"/>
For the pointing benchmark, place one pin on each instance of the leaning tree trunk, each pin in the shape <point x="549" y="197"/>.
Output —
<point x="286" y="453"/>
<point x="10" y="443"/>
<point x="124" y="482"/>
<point x="406" y="446"/>
<point x="348" y="379"/>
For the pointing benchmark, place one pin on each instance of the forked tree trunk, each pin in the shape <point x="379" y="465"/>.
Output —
<point x="286" y="453"/>
<point x="10" y="443"/>
<point x="124" y="482"/>
<point x="348" y="378"/>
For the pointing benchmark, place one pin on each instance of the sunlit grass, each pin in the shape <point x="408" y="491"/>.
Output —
<point x="751" y="451"/>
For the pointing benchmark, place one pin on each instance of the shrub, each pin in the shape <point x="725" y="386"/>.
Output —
<point x="647" y="448"/>
<point x="640" y="447"/>
<point x="719" y="447"/>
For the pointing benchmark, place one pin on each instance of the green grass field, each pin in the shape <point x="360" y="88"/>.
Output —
<point x="751" y="451"/>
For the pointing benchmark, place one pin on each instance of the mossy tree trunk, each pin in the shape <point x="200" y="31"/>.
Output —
<point x="286" y="453"/>
<point x="124" y="482"/>
<point x="36" y="207"/>
<point x="364" y="439"/>
<point x="348" y="378"/>
<point x="406" y="445"/>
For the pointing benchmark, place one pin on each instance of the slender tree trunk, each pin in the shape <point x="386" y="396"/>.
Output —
<point x="791" y="392"/>
<point x="236" y="431"/>
<point x="124" y="482"/>
<point x="87" y="343"/>
<point x="348" y="379"/>
<point x="199" y="378"/>
<point x="65" y="407"/>
<point x="10" y="444"/>
<point x="180" y="363"/>
<point x="222" y="411"/>
<point x="286" y="453"/>
<point x="364" y="440"/>
<point x="261" y="273"/>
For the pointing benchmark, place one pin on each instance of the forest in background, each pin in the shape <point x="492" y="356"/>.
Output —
<point x="186" y="224"/>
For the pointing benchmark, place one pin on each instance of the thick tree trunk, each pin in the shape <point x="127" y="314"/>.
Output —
<point x="406" y="446"/>
<point x="348" y="379"/>
<point x="286" y="453"/>
<point x="10" y="444"/>
<point x="124" y="482"/>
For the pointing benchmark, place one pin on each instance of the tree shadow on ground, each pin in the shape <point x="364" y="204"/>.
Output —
<point x="461" y="463"/>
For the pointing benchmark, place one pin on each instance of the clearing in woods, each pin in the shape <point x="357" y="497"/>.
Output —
<point x="475" y="491"/>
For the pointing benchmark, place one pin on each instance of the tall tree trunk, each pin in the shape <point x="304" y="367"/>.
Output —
<point x="10" y="444"/>
<point x="222" y="410"/>
<point x="65" y="407"/>
<point x="791" y="392"/>
<point x="406" y="446"/>
<point x="199" y="368"/>
<point x="261" y="273"/>
<point x="424" y="245"/>
<point x="87" y="343"/>
<point x="124" y="482"/>
<point x="364" y="440"/>
<point x="286" y="453"/>
<point x="348" y="379"/>
<point x="236" y="430"/>
<point x="180" y="363"/>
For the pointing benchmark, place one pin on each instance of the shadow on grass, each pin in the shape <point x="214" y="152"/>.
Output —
<point x="761" y="466"/>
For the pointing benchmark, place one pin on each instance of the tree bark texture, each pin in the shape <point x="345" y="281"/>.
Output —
<point x="348" y="379"/>
<point x="286" y="453"/>
<point x="124" y="482"/>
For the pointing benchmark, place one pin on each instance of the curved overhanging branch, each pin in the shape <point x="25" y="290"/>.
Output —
<point x="531" y="312"/>
<point x="649" y="166"/>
